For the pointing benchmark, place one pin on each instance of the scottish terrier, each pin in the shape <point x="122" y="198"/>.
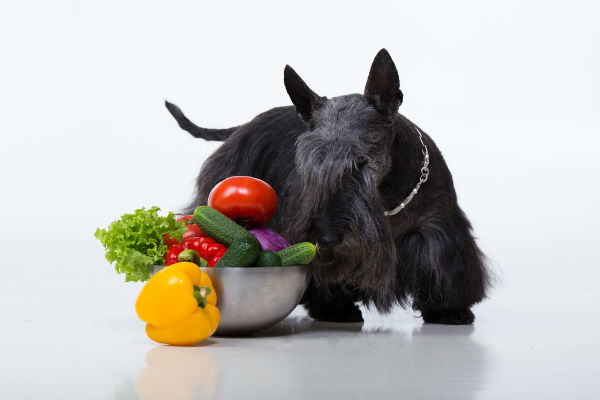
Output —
<point x="367" y="185"/>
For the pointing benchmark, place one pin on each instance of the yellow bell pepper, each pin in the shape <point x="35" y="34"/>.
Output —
<point x="178" y="305"/>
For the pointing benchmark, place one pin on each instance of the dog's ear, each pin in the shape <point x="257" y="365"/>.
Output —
<point x="305" y="100"/>
<point x="383" y="85"/>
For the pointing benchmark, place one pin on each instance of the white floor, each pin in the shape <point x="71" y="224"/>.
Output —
<point x="506" y="354"/>
<point x="70" y="332"/>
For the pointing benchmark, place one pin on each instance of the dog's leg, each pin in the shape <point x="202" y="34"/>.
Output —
<point x="332" y="303"/>
<point x="443" y="270"/>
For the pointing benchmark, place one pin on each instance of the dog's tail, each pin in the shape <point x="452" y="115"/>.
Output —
<point x="195" y="130"/>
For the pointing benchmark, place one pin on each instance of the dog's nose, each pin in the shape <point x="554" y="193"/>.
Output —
<point x="329" y="240"/>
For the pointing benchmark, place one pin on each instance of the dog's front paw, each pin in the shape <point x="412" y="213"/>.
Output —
<point x="449" y="317"/>
<point x="350" y="314"/>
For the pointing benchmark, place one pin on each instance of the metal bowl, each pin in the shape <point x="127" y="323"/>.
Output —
<point x="254" y="298"/>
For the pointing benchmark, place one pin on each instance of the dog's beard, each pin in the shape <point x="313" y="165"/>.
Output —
<point x="366" y="257"/>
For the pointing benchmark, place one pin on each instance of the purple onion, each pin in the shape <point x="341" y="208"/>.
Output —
<point x="269" y="240"/>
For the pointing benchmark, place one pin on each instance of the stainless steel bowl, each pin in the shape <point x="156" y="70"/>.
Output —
<point x="254" y="298"/>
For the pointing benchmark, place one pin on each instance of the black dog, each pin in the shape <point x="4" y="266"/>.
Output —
<point x="337" y="166"/>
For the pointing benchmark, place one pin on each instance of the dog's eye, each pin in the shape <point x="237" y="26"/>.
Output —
<point x="360" y="164"/>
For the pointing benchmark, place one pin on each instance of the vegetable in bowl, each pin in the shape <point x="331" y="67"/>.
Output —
<point x="244" y="247"/>
<point x="269" y="239"/>
<point x="135" y="242"/>
<point x="249" y="201"/>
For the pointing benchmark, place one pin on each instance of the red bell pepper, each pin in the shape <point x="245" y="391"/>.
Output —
<point x="207" y="248"/>
<point x="216" y="257"/>
<point x="193" y="231"/>
<point x="173" y="253"/>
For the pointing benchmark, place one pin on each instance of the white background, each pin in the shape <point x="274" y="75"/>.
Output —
<point x="507" y="89"/>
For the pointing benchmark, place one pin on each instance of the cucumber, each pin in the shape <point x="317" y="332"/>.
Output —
<point x="298" y="254"/>
<point x="268" y="258"/>
<point x="218" y="226"/>
<point x="241" y="253"/>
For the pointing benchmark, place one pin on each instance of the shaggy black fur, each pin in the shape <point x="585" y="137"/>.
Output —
<point x="337" y="164"/>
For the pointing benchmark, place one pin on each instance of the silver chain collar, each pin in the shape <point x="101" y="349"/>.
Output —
<point x="422" y="179"/>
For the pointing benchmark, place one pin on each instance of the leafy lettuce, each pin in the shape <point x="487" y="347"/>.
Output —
<point x="135" y="242"/>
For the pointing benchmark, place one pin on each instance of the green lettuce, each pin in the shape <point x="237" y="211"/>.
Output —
<point x="135" y="242"/>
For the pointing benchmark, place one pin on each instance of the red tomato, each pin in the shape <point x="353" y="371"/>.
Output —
<point x="247" y="200"/>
